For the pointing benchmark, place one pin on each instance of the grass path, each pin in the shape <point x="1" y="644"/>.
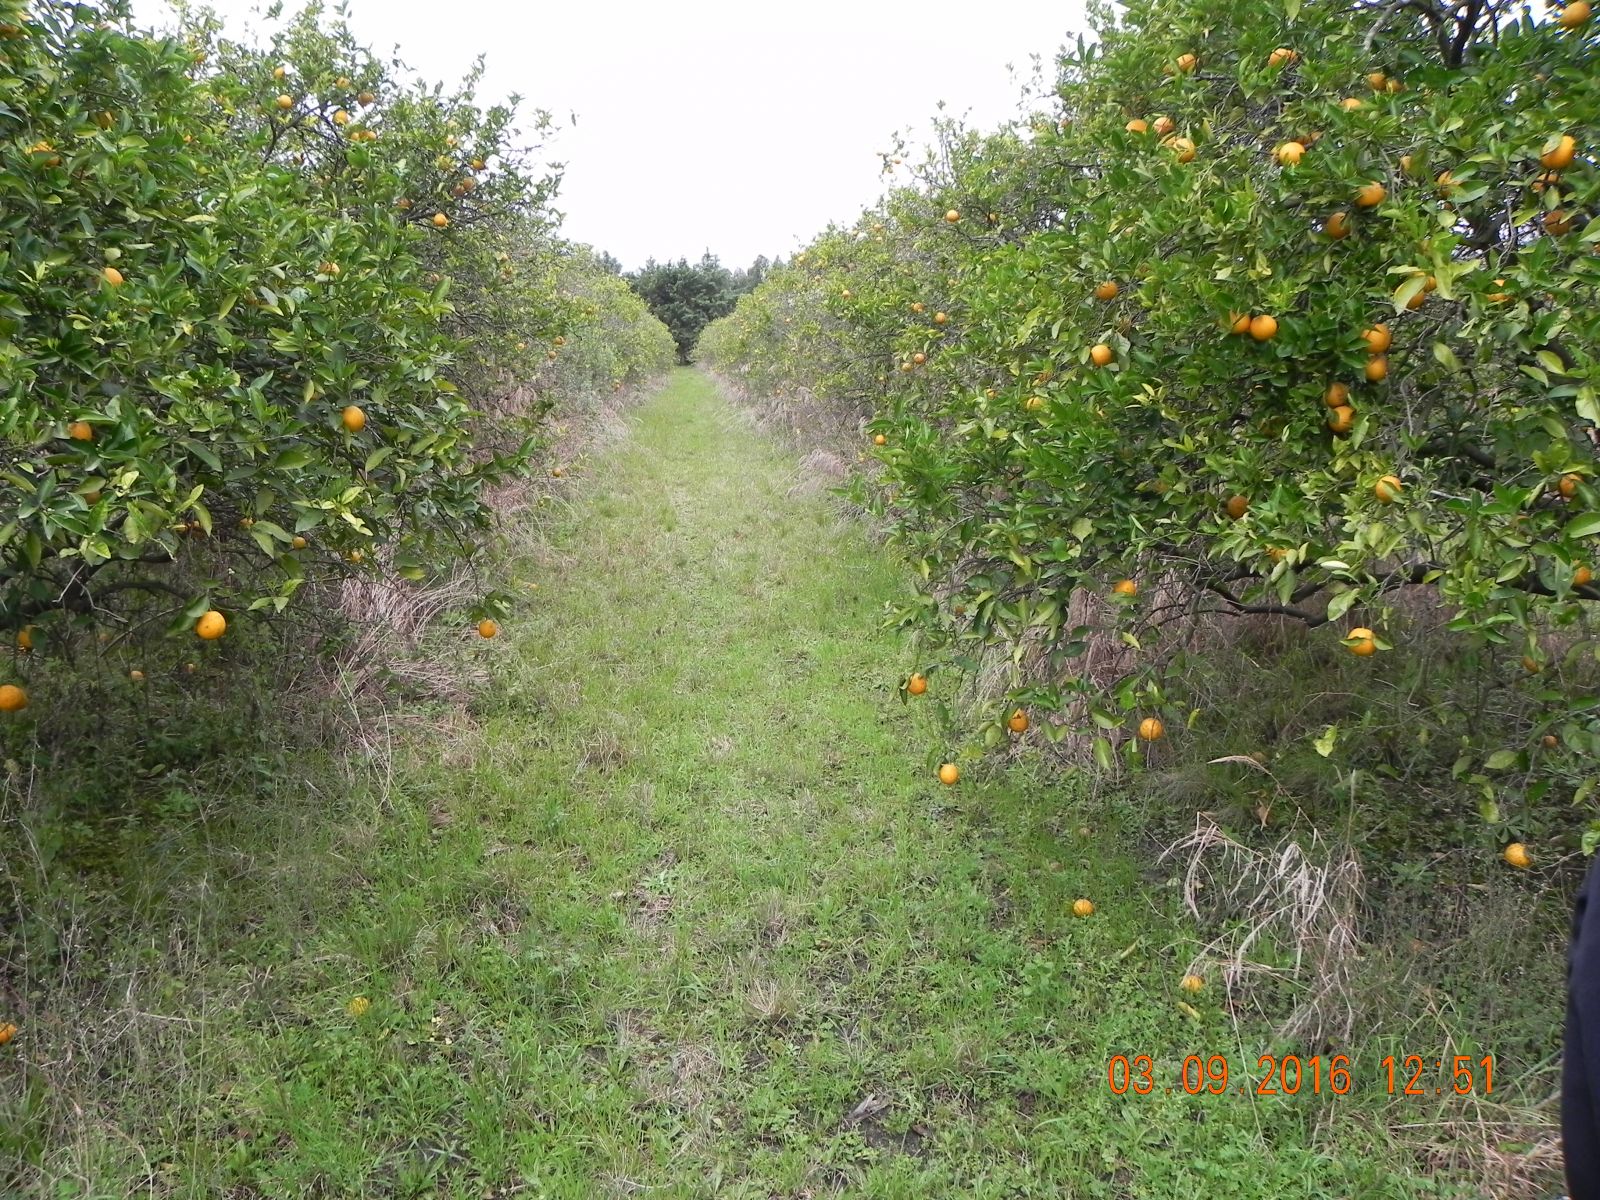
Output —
<point x="687" y="914"/>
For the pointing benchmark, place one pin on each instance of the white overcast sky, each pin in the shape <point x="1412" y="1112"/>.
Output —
<point x="738" y="126"/>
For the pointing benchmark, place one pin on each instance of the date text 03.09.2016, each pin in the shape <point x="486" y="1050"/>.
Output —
<point x="1294" y="1075"/>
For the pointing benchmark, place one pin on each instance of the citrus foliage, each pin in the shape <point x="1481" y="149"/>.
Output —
<point x="248" y="298"/>
<point x="1280" y="310"/>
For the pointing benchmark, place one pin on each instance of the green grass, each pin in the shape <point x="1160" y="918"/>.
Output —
<point x="680" y="897"/>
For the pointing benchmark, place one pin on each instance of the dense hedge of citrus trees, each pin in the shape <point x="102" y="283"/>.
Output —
<point x="250" y="300"/>
<point x="1282" y="309"/>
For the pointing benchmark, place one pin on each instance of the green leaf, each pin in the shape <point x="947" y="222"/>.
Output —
<point x="1325" y="741"/>
<point x="1500" y="760"/>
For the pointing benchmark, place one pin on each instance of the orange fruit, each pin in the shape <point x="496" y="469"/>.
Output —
<point x="1137" y="126"/>
<point x="299" y="542"/>
<point x="1337" y="226"/>
<point x="1164" y="127"/>
<point x="1557" y="222"/>
<point x="1183" y="148"/>
<point x="1559" y="157"/>
<point x="1191" y="984"/>
<point x="1531" y="665"/>
<point x="952" y="216"/>
<point x="1377" y="369"/>
<point x="25" y="639"/>
<point x="1342" y="419"/>
<point x="7" y="1032"/>
<point x="340" y="117"/>
<point x="919" y="358"/>
<point x="1370" y="195"/>
<point x="917" y="684"/>
<point x="1033" y="403"/>
<point x="1125" y="587"/>
<point x="1018" y="723"/>
<point x="366" y="98"/>
<point x="112" y="276"/>
<point x="1100" y="354"/>
<point x="136" y="676"/>
<point x="12" y="698"/>
<point x="1582" y="577"/>
<point x="1377" y="81"/>
<point x="1350" y="104"/>
<point x="1263" y="328"/>
<point x="880" y="440"/>
<point x="1083" y="908"/>
<point x="1282" y="57"/>
<point x="211" y="626"/>
<point x="1107" y="290"/>
<point x="487" y="628"/>
<point x="81" y="431"/>
<point x="285" y="102"/>
<point x="1186" y="63"/>
<point x="917" y="307"/>
<point x="1239" y="322"/>
<point x="1569" y="485"/>
<point x="1289" y="153"/>
<point x="1361" y="642"/>
<point x="440" y="220"/>
<point x="1378" y="339"/>
<point x="1575" y="14"/>
<point x="1237" y="506"/>
<point x="1516" y="855"/>
<point x="949" y="774"/>
<point x="353" y="419"/>
<point x="1388" y="489"/>
<point x="1549" y="741"/>
<point x="1337" y="395"/>
<point x="1152" y="730"/>
<point x="940" y="318"/>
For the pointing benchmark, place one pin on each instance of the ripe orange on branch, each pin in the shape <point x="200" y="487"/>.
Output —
<point x="1371" y="195"/>
<point x="1361" y="642"/>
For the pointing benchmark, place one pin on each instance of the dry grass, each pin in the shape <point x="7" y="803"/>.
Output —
<point x="1286" y="904"/>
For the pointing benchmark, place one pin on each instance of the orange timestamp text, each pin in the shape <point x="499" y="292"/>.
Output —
<point x="1294" y="1075"/>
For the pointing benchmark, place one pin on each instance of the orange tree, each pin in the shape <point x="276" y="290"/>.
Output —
<point x="247" y="295"/>
<point x="1281" y="310"/>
